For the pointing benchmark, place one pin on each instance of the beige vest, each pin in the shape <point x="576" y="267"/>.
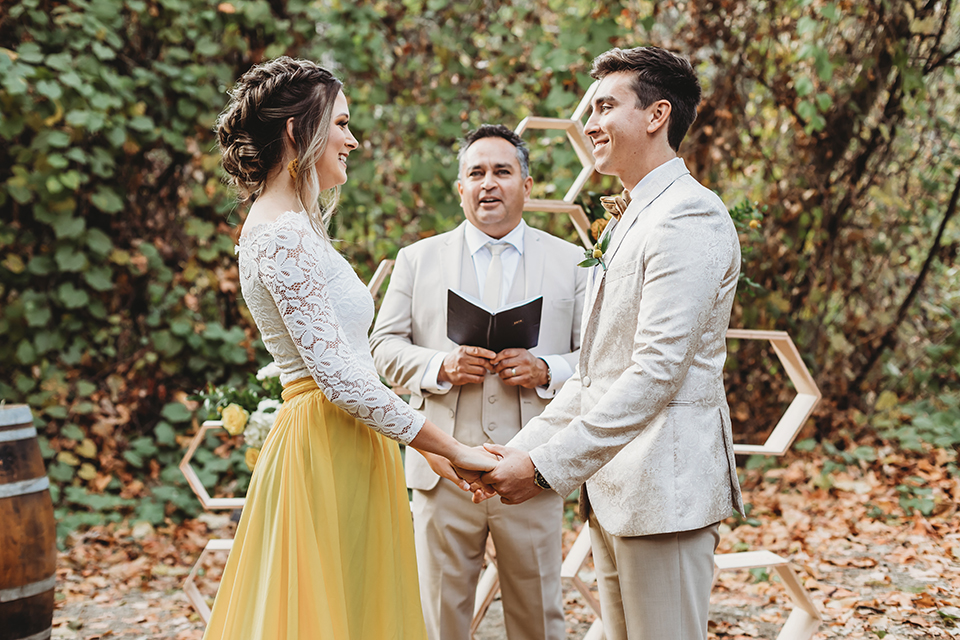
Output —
<point x="496" y="404"/>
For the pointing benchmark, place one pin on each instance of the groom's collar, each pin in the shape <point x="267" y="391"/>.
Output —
<point x="657" y="180"/>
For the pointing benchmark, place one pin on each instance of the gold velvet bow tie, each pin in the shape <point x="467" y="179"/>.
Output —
<point x="616" y="205"/>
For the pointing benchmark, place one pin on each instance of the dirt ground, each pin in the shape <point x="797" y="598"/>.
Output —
<point x="890" y="577"/>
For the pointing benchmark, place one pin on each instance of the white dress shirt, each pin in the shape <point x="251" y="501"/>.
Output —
<point x="510" y="258"/>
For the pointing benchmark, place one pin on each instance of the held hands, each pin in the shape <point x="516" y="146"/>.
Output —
<point x="466" y="466"/>
<point x="512" y="478"/>
<point x="516" y="367"/>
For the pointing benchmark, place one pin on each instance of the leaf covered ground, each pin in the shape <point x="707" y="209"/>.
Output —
<point x="873" y="570"/>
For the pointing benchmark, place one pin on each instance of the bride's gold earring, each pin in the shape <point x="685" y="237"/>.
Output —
<point x="293" y="168"/>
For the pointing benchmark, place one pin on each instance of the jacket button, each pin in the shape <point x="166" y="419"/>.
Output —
<point x="492" y="426"/>
<point x="586" y="381"/>
<point x="453" y="413"/>
<point x="491" y="399"/>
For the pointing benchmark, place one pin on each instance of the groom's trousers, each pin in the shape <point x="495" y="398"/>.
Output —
<point x="654" y="587"/>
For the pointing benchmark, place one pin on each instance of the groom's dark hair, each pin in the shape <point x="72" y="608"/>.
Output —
<point x="497" y="131"/>
<point x="657" y="75"/>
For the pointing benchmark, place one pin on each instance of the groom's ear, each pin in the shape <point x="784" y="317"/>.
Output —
<point x="659" y="114"/>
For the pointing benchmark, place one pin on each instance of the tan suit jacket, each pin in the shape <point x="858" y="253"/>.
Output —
<point x="411" y="324"/>
<point x="644" y="420"/>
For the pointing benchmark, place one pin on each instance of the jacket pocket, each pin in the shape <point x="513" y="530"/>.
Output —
<point x="617" y="272"/>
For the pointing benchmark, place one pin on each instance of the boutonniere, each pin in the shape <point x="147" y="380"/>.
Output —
<point x="595" y="256"/>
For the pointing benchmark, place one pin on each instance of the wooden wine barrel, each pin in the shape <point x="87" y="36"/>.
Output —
<point x="28" y="548"/>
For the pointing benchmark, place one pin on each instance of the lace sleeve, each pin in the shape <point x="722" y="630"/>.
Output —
<point x="289" y="264"/>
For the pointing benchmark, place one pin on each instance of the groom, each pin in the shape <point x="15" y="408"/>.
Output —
<point x="643" y="427"/>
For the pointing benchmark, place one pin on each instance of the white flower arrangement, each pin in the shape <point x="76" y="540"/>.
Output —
<point x="260" y="422"/>
<point x="269" y="371"/>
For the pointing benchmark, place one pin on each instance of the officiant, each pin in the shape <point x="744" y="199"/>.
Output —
<point x="480" y="396"/>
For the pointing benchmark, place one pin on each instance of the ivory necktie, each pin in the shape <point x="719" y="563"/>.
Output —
<point x="491" y="286"/>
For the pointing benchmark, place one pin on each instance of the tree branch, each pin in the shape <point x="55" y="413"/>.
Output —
<point x="888" y="339"/>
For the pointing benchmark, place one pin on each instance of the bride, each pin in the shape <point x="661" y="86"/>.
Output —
<point x="324" y="548"/>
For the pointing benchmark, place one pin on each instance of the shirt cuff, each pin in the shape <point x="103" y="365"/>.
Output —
<point x="429" y="380"/>
<point x="560" y="372"/>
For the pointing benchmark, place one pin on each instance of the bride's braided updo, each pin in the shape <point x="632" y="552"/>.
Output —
<point x="250" y="130"/>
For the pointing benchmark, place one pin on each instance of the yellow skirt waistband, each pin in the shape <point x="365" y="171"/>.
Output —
<point x="295" y="388"/>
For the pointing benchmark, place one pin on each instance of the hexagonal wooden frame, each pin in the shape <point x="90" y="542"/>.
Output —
<point x="804" y="618"/>
<point x="190" y="585"/>
<point x="194" y="480"/>
<point x="802" y="405"/>
<point x="582" y="146"/>
<point x="384" y="269"/>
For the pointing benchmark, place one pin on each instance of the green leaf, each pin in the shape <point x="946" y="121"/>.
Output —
<point x="133" y="458"/>
<point x="26" y="353"/>
<point x="806" y="110"/>
<point x="99" y="242"/>
<point x="176" y="412"/>
<point x="30" y="52"/>
<point x="37" y="315"/>
<point x="804" y="86"/>
<point x="71" y="297"/>
<point x="806" y="25"/>
<point x="590" y="262"/>
<point x="99" y="278"/>
<point x="70" y="431"/>
<point x="106" y="200"/>
<point x="84" y="388"/>
<point x="58" y="139"/>
<point x="67" y="227"/>
<point x="165" y="433"/>
<point x="49" y="89"/>
<point x="102" y="51"/>
<point x="69" y="259"/>
<point x="141" y="123"/>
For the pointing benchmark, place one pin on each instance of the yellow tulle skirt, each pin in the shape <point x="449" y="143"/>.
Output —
<point x="324" y="548"/>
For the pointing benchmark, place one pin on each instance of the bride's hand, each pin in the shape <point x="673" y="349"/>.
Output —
<point x="475" y="459"/>
<point x="472" y="476"/>
<point x="443" y="468"/>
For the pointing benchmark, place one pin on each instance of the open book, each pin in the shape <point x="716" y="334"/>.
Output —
<point x="470" y="322"/>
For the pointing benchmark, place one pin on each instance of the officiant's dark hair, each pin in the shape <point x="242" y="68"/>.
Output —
<point x="658" y="74"/>
<point x="497" y="131"/>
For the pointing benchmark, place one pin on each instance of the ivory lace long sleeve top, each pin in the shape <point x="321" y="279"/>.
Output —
<point x="314" y="314"/>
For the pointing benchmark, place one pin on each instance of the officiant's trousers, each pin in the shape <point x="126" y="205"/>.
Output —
<point x="451" y="535"/>
<point x="654" y="587"/>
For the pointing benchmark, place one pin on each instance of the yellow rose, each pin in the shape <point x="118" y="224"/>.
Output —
<point x="234" y="419"/>
<point x="597" y="253"/>
<point x="250" y="457"/>
<point x="754" y="224"/>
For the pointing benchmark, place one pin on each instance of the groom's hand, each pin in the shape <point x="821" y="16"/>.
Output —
<point x="513" y="477"/>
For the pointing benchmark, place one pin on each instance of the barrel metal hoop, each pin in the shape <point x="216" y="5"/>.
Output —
<point x="24" y="486"/>
<point x="15" y="414"/>
<point x="28" y="590"/>
<point x="43" y="635"/>
<point x="18" y="434"/>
